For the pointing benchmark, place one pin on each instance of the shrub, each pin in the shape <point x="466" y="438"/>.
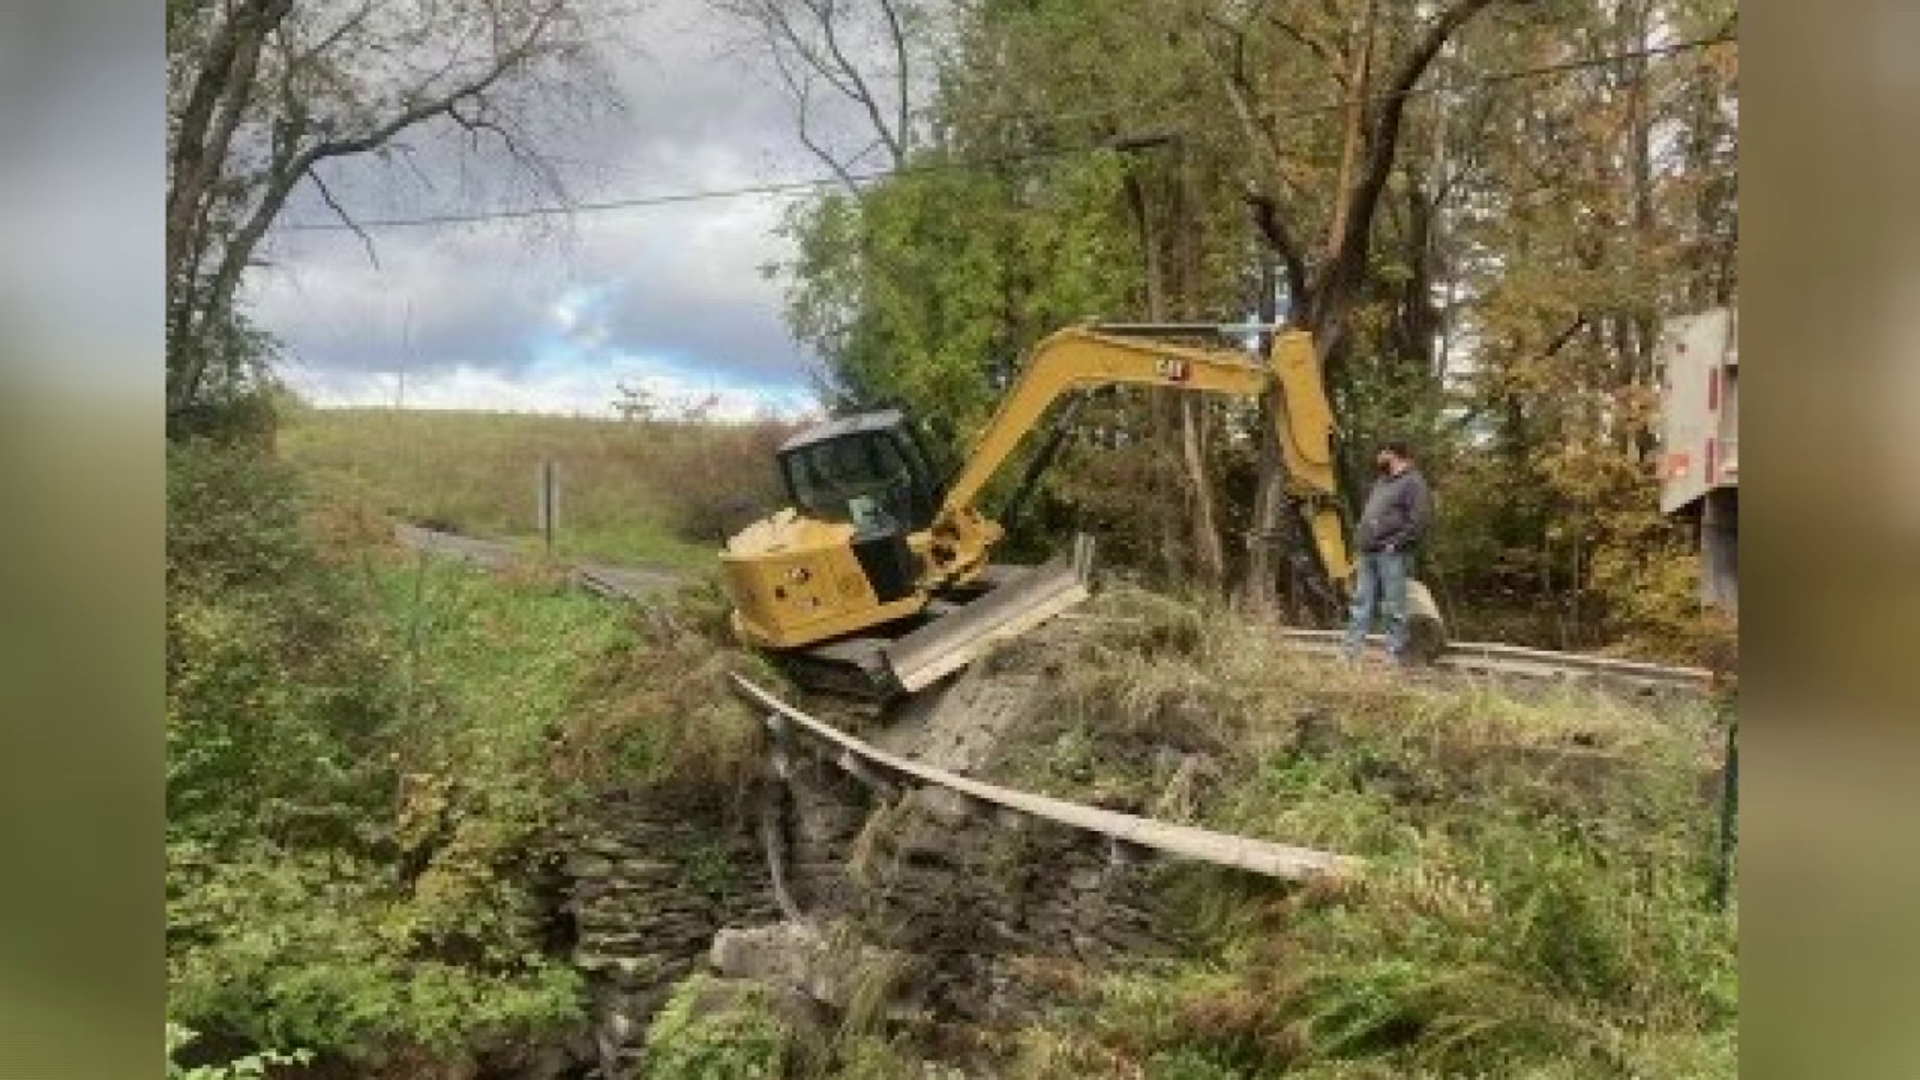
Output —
<point x="244" y="1067"/>
<point x="275" y="702"/>
<point x="715" y="1030"/>
<point x="330" y="885"/>
<point x="282" y="947"/>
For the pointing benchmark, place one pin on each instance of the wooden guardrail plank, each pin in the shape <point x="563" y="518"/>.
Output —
<point x="1185" y="841"/>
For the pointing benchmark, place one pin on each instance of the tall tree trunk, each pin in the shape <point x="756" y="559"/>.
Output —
<point x="1209" y="557"/>
<point x="1163" y="405"/>
<point x="1263" y="565"/>
<point x="1322" y="302"/>
<point x="1637" y="347"/>
<point x="1711" y="263"/>
<point x="216" y="102"/>
<point x="1209" y="560"/>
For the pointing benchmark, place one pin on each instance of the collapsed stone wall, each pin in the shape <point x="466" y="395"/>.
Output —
<point x="648" y="877"/>
<point x="958" y="899"/>
<point x="963" y="896"/>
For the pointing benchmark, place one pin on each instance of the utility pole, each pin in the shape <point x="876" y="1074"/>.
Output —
<point x="406" y="347"/>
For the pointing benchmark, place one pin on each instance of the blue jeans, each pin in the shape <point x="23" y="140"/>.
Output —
<point x="1379" y="584"/>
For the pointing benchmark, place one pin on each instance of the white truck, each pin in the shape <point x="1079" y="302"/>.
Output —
<point x="1699" y="362"/>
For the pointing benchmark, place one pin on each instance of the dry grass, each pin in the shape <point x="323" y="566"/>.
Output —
<point x="1153" y="669"/>
<point x="1535" y="899"/>
<point x="661" y="709"/>
<point x="652" y="492"/>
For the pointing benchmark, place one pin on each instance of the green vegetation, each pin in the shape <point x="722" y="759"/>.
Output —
<point x="364" y="750"/>
<point x="642" y="491"/>
<point x="244" y="1067"/>
<point x="718" y="1029"/>
<point x="711" y="1030"/>
<point x="1536" y="902"/>
<point x="343" y="840"/>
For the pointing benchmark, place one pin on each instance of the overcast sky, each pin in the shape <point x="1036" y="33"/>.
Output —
<point x="489" y="316"/>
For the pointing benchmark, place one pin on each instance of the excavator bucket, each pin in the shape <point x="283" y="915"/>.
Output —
<point x="954" y="640"/>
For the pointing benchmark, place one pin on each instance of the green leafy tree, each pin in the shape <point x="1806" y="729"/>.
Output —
<point x="1484" y="262"/>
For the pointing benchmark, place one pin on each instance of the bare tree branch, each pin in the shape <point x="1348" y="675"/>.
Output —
<point x="1261" y="135"/>
<point x="896" y="32"/>
<point x="326" y="195"/>
<point x="270" y="89"/>
<point x="808" y="41"/>
<point x="333" y="37"/>
<point x="1314" y="44"/>
<point x="789" y="36"/>
<point x="443" y="105"/>
<point x="863" y="94"/>
<point x="801" y="91"/>
<point x="1266" y="217"/>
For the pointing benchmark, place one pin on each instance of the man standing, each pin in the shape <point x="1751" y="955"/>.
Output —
<point x="1398" y="509"/>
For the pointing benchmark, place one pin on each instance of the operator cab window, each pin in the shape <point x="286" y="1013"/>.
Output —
<point x="862" y="478"/>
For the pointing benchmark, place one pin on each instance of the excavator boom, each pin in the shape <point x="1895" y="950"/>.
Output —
<point x="1088" y="357"/>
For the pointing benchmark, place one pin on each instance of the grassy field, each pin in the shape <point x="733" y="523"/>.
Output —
<point x="662" y="492"/>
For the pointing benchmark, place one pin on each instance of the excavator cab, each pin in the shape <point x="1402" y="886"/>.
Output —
<point x="871" y="471"/>
<point x="846" y="554"/>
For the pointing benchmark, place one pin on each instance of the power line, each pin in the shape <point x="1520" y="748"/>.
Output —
<point x="791" y="187"/>
<point x="667" y="199"/>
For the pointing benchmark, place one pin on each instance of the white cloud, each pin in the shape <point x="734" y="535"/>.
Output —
<point x="490" y="316"/>
<point x="568" y="390"/>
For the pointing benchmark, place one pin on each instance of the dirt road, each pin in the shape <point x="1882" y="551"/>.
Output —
<point x="631" y="582"/>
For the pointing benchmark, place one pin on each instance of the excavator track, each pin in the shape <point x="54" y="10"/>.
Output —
<point x="852" y="668"/>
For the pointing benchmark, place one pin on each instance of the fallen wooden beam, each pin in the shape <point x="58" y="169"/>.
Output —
<point x="1264" y="857"/>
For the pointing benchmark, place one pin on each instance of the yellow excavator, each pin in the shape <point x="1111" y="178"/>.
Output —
<point x="878" y="579"/>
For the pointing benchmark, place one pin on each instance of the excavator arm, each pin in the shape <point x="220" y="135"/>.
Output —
<point x="1081" y="358"/>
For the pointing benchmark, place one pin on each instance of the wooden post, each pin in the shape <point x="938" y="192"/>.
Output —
<point x="1721" y="881"/>
<point x="549" y="502"/>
